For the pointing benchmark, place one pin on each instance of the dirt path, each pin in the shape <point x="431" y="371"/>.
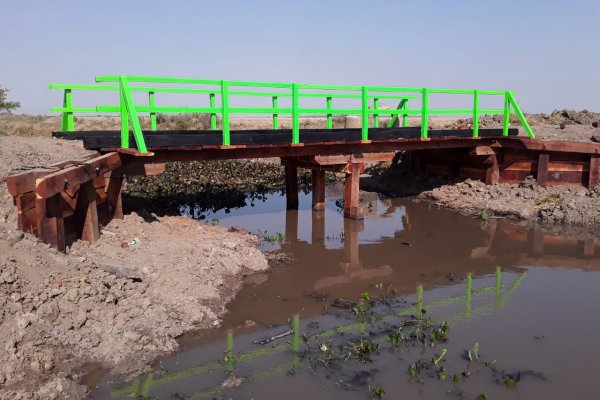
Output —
<point x="108" y="303"/>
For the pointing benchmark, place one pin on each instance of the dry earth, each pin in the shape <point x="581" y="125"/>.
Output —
<point x="101" y="303"/>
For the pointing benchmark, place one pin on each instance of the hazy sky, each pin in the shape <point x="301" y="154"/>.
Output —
<point x="547" y="51"/>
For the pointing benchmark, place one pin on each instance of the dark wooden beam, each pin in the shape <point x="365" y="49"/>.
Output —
<point x="56" y="182"/>
<point x="594" y="179"/>
<point x="291" y="187"/>
<point x="50" y="222"/>
<point x="542" y="169"/>
<point x="318" y="190"/>
<point x="86" y="213"/>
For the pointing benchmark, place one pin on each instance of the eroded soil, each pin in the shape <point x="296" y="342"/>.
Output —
<point x="120" y="302"/>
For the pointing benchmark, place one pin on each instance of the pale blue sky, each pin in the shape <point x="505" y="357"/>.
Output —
<point x="548" y="52"/>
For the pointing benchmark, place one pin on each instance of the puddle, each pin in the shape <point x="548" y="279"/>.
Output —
<point x="527" y="298"/>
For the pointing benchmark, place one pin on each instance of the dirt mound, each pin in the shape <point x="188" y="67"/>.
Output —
<point x="119" y="302"/>
<point x="567" y="117"/>
<point x="560" y="204"/>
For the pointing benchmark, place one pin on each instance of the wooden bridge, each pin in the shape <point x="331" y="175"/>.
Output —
<point x="64" y="202"/>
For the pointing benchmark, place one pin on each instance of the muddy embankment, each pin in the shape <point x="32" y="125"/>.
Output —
<point x="118" y="303"/>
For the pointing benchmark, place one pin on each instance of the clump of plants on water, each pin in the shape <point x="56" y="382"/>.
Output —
<point x="210" y="185"/>
<point x="266" y="236"/>
<point x="380" y="327"/>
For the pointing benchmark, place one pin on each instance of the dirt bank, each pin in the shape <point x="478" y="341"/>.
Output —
<point x="573" y="205"/>
<point x="103" y="303"/>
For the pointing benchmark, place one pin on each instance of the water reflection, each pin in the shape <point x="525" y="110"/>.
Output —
<point x="456" y="268"/>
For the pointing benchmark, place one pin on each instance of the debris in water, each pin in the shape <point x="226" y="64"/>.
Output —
<point x="275" y="337"/>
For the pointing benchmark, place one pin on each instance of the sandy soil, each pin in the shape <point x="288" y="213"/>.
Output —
<point x="101" y="303"/>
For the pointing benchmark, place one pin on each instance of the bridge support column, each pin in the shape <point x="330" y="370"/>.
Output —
<point x="352" y="208"/>
<point x="291" y="186"/>
<point x="318" y="190"/>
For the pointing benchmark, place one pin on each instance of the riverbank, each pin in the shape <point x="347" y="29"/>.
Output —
<point x="118" y="303"/>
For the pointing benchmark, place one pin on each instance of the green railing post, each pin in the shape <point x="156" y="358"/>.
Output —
<point x="419" y="302"/>
<point x="404" y="107"/>
<point x="225" y="112"/>
<point x="152" y="103"/>
<point x="329" y="114"/>
<point x="275" y="114"/>
<point x="68" y="121"/>
<point x="375" y="116"/>
<point x="229" y="352"/>
<point x="212" y="103"/>
<point x="469" y="294"/>
<point x="131" y="111"/>
<point x="475" y="113"/>
<point x="124" y="119"/>
<point x="296" y="329"/>
<point x="365" y="115"/>
<point x="296" y="339"/>
<point x="520" y="114"/>
<point x="498" y="286"/>
<point x="506" y="120"/>
<point x="424" y="113"/>
<point x="295" y="115"/>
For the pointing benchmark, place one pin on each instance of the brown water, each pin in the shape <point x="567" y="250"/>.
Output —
<point x="529" y="299"/>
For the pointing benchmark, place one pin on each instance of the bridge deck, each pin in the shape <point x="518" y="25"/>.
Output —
<point x="164" y="140"/>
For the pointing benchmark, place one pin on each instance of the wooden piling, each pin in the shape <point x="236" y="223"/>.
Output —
<point x="86" y="213"/>
<point x="291" y="186"/>
<point x="318" y="190"/>
<point x="352" y="208"/>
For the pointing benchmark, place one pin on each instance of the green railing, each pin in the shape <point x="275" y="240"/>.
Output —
<point x="369" y="97"/>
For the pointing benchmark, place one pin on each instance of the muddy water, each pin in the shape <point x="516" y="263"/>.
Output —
<point x="529" y="299"/>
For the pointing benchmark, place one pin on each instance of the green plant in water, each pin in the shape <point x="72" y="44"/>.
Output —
<point x="436" y="361"/>
<point x="484" y="215"/>
<point x="361" y="350"/>
<point x="366" y="296"/>
<point x="441" y="333"/>
<point x="397" y="336"/>
<point x="361" y="307"/>
<point x="473" y="354"/>
<point x="379" y="392"/>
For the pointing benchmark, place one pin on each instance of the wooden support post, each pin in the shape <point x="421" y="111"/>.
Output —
<point x="50" y="222"/>
<point x="352" y="207"/>
<point x="492" y="174"/>
<point x="594" y="171"/>
<point x="542" y="169"/>
<point x="318" y="190"/>
<point x="291" y="186"/>
<point x="86" y="213"/>
<point x="113" y="194"/>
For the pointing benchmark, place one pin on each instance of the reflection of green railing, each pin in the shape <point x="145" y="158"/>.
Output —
<point x="129" y="111"/>
<point x="142" y="385"/>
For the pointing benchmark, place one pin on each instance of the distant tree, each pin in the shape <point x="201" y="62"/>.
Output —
<point x="6" y="105"/>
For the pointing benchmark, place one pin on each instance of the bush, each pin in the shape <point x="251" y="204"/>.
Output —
<point x="6" y="105"/>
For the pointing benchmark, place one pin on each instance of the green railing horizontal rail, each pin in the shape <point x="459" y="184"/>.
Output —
<point x="369" y="97"/>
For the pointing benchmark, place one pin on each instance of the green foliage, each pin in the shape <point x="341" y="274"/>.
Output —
<point x="6" y="105"/>
<point x="484" y="215"/>
<point x="379" y="392"/>
<point x="361" y="350"/>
